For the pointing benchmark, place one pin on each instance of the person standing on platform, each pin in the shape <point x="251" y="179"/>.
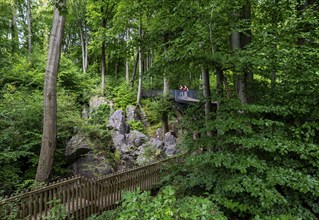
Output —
<point x="185" y="89"/>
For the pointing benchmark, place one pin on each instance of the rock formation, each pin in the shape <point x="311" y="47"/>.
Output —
<point x="132" y="146"/>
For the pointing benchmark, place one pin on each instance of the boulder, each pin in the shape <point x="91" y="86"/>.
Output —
<point x="170" y="144"/>
<point x="136" y="138"/>
<point x="117" y="122"/>
<point x="118" y="139"/>
<point x="77" y="147"/>
<point x="159" y="134"/>
<point x="131" y="113"/>
<point x="91" y="166"/>
<point x="156" y="143"/>
<point x="85" y="112"/>
<point x="169" y="139"/>
<point x="170" y="150"/>
<point x="127" y="161"/>
<point x="96" y="101"/>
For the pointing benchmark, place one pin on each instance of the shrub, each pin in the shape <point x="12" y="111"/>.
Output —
<point x="255" y="166"/>
<point x="142" y="206"/>
<point x="137" y="125"/>
<point x="122" y="96"/>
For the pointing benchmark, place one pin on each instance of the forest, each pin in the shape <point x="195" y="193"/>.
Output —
<point x="251" y="143"/>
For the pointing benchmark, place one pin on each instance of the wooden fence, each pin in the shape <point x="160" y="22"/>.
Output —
<point x="79" y="197"/>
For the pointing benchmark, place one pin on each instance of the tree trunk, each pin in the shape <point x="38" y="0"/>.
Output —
<point x="140" y="66"/>
<point x="219" y="81"/>
<point x="134" y="69"/>
<point x="116" y="65"/>
<point x="50" y="107"/>
<point x="103" y="68"/>
<point x="103" y="59"/>
<point x="14" y="35"/>
<point x="127" y="73"/>
<point x="127" y="61"/>
<point x="165" y="90"/>
<point x="84" y="45"/>
<point x="244" y="77"/>
<point x="207" y="98"/>
<point x="29" y="26"/>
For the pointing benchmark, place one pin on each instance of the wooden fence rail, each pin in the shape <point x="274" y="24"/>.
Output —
<point x="79" y="197"/>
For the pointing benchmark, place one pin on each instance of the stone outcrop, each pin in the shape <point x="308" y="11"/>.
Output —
<point x="78" y="146"/>
<point x="117" y="122"/>
<point x="131" y="113"/>
<point x="136" y="138"/>
<point x="96" y="101"/>
<point x="170" y="144"/>
<point x="133" y="146"/>
<point x="157" y="144"/>
<point x="91" y="166"/>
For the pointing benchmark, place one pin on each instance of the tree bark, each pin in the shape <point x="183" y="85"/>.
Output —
<point x="84" y="48"/>
<point x="103" y="56"/>
<point x="29" y="26"/>
<point x="207" y="97"/>
<point x="165" y="90"/>
<point x="50" y="107"/>
<point x="81" y="22"/>
<point x="103" y="68"/>
<point x="140" y="65"/>
<point x="14" y="35"/>
<point x="244" y="78"/>
<point x="127" y="61"/>
<point x="219" y="81"/>
<point x="134" y="69"/>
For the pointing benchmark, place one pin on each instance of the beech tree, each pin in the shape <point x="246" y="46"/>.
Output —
<point x="50" y="99"/>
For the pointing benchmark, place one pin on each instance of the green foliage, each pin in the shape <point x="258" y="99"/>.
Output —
<point x="255" y="166"/>
<point x="122" y="96"/>
<point x="152" y="110"/>
<point x="142" y="206"/>
<point x="137" y="125"/>
<point x="149" y="154"/>
<point x="9" y="211"/>
<point x="100" y="115"/>
<point x="58" y="211"/>
<point x="21" y="126"/>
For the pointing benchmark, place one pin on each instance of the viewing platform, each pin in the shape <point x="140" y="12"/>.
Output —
<point x="179" y="96"/>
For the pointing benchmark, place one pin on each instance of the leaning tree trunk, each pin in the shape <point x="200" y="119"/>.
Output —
<point x="50" y="107"/>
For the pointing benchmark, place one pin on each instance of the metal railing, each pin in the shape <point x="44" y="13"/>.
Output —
<point x="176" y="95"/>
<point x="80" y="197"/>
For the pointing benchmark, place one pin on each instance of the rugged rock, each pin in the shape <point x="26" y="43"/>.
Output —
<point x="117" y="122"/>
<point x="118" y="139"/>
<point x="156" y="143"/>
<point x="170" y="144"/>
<point x="96" y="101"/>
<point x="91" y="166"/>
<point x="159" y="134"/>
<point x="131" y="113"/>
<point x="77" y="147"/>
<point x="136" y="138"/>
<point x="85" y="111"/>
